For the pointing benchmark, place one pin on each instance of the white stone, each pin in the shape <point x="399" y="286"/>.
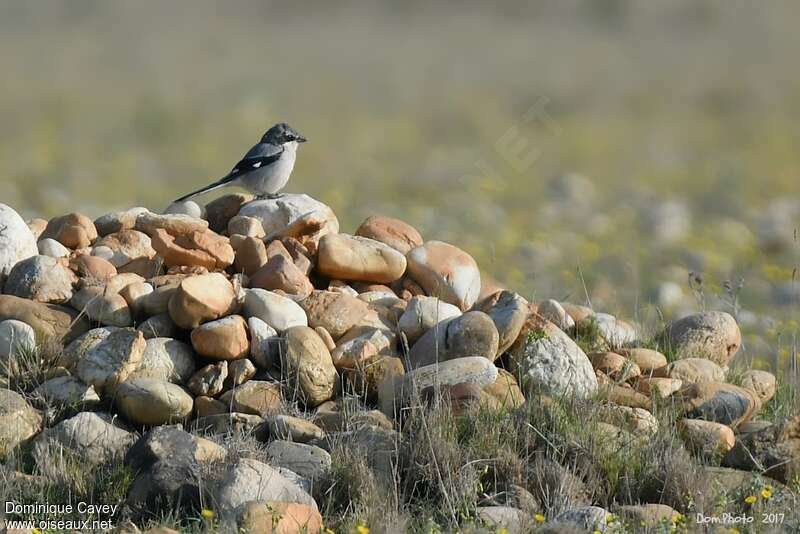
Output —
<point x="17" y="242"/>
<point x="51" y="247"/>
<point x="277" y="311"/>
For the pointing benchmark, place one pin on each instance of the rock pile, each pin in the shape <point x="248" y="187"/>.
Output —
<point x="220" y="318"/>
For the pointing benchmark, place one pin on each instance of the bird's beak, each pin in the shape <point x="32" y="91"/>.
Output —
<point x="301" y="139"/>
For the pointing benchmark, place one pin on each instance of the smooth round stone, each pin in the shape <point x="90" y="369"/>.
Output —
<point x="145" y="401"/>
<point x="187" y="207"/>
<point x="265" y="344"/>
<point x="422" y="314"/>
<point x="17" y="242"/>
<point x="346" y="257"/>
<point x="223" y="339"/>
<point x="446" y="272"/>
<point x="15" y="337"/>
<point x="276" y="215"/>
<point x="73" y="230"/>
<point x="103" y="307"/>
<point x="470" y="334"/>
<point x="277" y="311"/>
<point x="713" y="335"/>
<point x="335" y="312"/>
<point x="397" y="234"/>
<point x="508" y="311"/>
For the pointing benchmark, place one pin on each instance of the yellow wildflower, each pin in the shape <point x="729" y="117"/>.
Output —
<point x="766" y="493"/>
<point x="750" y="499"/>
<point x="539" y="518"/>
<point x="501" y="530"/>
<point x="610" y="518"/>
<point x="362" y="529"/>
<point x="207" y="514"/>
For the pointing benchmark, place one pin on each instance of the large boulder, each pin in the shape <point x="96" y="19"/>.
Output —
<point x="42" y="279"/>
<point x="446" y="272"/>
<point x="471" y="334"/>
<point x="17" y="242"/>
<point x="548" y="360"/>
<point x="713" y="335"/>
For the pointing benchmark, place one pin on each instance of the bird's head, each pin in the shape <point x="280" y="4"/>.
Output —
<point x="282" y="133"/>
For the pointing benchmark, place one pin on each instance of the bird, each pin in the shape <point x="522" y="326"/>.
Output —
<point x="265" y="169"/>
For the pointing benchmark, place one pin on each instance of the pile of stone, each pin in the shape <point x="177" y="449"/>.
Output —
<point x="230" y="316"/>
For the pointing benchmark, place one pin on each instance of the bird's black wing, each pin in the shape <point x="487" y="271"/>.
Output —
<point x="259" y="156"/>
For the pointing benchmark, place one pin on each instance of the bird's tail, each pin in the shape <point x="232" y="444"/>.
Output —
<point x="216" y="185"/>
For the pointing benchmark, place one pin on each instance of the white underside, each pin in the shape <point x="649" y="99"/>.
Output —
<point x="271" y="179"/>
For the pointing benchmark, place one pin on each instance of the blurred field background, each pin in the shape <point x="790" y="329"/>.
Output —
<point x="598" y="150"/>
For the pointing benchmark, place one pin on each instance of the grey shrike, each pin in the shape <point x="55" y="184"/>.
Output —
<point x="266" y="167"/>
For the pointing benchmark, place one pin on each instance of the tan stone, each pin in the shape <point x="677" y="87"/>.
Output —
<point x="506" y="390"/>
<point x="201" y="249"/>
<point x="348" y="257"/>
<point x="251" y="254"/>
<point x="397" y="234"/>
<point x="648" y="360"/>
<point x="282" y="274"/>
<point x="73" y="230"/>
<point x="201" y="298"/>
<point x="446" y="272"/>
<point x="713" y="335"/>
<point x="366" y="379"/>
<point x="48" y="320"/>
<point x="92" y="267"/>
<point x="658" y="387"/>
<point x="706" y="437"/>
<point x="616" y="366"/>
<point x="335" y="312"/>
<point x="308" y="366"/>
<point x="279" y="518"/>
<point x="763" y="383"/>
<point x="255" y="397"/>
<point x="223" y="339"/>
